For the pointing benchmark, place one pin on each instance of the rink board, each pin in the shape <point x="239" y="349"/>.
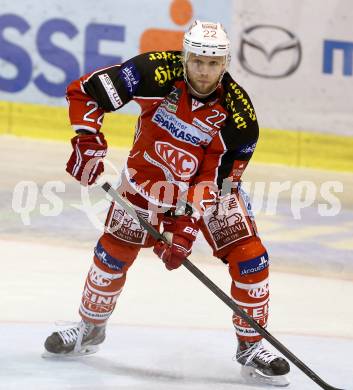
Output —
<point x="279" y="146"/>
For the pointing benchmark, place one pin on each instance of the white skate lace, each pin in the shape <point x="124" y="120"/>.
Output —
<point x="257" y="350"/>
<point x="70" y="335"/>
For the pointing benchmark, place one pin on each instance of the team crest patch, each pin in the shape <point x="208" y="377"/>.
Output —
<point x="174" y="95"/>
<point x="171" y="101"/>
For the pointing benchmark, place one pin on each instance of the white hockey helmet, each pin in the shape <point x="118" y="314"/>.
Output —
<point x="206" y="38"/>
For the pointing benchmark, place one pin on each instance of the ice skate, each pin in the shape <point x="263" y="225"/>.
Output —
<point x="260" y="366"/>
<point x="79" y="340"/>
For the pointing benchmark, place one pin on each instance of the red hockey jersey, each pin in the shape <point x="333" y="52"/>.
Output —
<point x="182" y="144"/>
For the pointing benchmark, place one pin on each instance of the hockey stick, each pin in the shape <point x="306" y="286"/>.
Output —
<point x="126" y="205"/>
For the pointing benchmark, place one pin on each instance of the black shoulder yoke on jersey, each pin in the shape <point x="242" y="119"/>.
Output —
<point x="241" y="131"/>
<point x="146" y="75"/>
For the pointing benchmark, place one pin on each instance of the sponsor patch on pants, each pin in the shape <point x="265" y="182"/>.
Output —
<point x="125" y="228"/>
<point x="253" y="266"/>
<point x="106" y="259"/>
<point x="229" y="225"/>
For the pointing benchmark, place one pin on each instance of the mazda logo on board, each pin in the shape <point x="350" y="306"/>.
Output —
<point x="269" y="51"/>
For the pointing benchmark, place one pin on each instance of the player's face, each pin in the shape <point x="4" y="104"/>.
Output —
<point x="203" y="72"/>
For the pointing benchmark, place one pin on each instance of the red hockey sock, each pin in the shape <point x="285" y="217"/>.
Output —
<point x="106" y="278"/>
<point x="248" y="266"/>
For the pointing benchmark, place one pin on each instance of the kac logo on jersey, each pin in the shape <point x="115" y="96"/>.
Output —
<point x="182" y="163"/>
<point x="177" y="128"/>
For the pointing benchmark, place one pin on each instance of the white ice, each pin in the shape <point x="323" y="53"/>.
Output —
<point x="168" y="331"/>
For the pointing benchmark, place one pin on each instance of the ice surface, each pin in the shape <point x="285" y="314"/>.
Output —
<point x="138" y="357"/>
<point x="182" y="337"/>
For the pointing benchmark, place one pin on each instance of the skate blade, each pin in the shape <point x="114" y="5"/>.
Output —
<point x="84" y="351"/>
<point x="254" y="376"/>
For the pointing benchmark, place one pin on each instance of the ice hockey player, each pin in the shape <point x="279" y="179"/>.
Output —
<point x="196" y="132"/>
